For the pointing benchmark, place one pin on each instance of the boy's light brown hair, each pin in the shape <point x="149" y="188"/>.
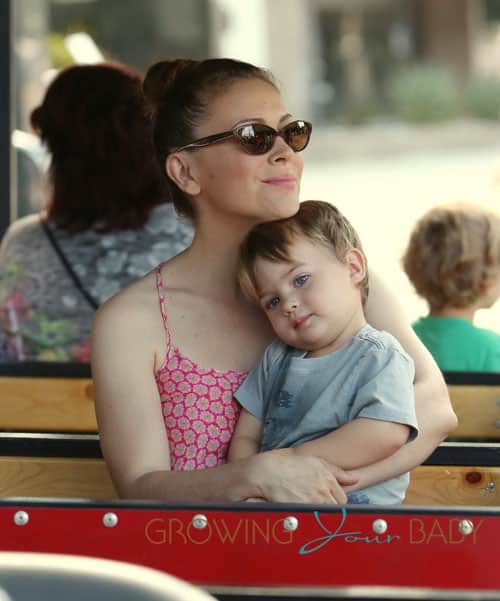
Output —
<point x="318" y="221"/>
<point x="453" y="250"/>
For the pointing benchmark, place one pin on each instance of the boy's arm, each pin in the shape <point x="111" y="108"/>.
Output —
<point x="246" y="438"/>
<point x="357" y="443"/>
<point x="380" y="418"/>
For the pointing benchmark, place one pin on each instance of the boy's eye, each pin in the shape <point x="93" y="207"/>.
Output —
<point x="273" y="302"/>
<point x="301" y="280"/>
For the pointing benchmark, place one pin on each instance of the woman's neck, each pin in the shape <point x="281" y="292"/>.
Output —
<point x="466" y="313"/>
<point x="213" y="258"/>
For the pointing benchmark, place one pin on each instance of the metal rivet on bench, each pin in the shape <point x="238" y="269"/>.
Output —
<point x="490" y="487"/>
<point x="466" y="526"/>
<point x="290" y="523"/>
<point x="110" y="520"/>
<point x="379" y="526"/>
<point x="199" y="521"/>
<point x="21" y="518"/>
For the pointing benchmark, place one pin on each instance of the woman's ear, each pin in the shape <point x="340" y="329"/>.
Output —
<point x="356" y="262"/>
<point x="179" y="169"/>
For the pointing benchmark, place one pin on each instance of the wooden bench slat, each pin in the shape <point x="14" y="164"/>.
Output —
<point x="55" y="477"/>
<point x="47" y="404"/>
<point x="478" y="411"/>
<point x="453" y="485"/>
<point x="89" y="479"/>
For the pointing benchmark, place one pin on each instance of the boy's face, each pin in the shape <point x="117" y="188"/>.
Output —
<point x="312" y="301"/>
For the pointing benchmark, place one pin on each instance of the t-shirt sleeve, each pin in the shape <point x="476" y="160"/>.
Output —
<point x="385" y="389"/>
<point x="252" y="393"/>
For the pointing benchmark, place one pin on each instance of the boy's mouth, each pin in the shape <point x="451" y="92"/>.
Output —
<point x="301" y="321"/>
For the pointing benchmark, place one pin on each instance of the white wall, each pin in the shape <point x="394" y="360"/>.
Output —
<point x="240" y="30"/>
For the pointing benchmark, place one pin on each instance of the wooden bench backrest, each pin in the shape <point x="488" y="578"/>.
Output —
<point x="476" y="400"/>
<point x="58" y="398"/>
<point x="46" y="397"/>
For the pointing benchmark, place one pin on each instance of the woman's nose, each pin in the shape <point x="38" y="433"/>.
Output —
<point x="280" y="150"/>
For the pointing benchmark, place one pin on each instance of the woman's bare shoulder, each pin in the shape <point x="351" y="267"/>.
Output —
<point x="134" y="305"/>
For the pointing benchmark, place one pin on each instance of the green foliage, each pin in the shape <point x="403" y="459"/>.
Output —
<point x="359" y="111"/>
<point x="58" y="53"/>
<point x="483" y="98"/>
<point x="424" y="94"/>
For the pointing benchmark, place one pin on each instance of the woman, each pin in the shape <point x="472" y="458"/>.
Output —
<point x="231" y="152"/>
<point x="106" y="223"/>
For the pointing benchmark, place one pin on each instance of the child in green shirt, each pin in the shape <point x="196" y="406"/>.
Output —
<point x="453" y="261"/>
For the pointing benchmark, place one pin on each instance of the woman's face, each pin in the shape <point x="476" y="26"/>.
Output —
<point x="254" y="188"/>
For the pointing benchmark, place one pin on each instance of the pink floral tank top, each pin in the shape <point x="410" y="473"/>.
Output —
<point x="199" y="410"/>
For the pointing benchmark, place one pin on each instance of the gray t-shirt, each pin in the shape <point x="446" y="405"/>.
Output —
<point x="300" y="398"/>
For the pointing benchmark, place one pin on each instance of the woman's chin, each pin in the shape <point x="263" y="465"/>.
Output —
<point x="284" y="208"/>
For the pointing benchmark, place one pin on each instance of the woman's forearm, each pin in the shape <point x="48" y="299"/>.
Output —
<point x="435" y="415"/>
<point x="274" y="476"/>
<point x="225" y="484"/>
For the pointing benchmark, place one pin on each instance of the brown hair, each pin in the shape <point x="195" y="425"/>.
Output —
<point x="452" y="250"/>
<point x="103" y="169"/>
<point x="318" y="221"/>
<point x="179" y="93"/>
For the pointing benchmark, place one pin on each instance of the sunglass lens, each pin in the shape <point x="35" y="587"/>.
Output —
<point x="297" y="135"/>
<point x="256" y="138"/>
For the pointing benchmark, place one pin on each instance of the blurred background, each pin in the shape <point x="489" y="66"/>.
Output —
<point x="404" y="95"/>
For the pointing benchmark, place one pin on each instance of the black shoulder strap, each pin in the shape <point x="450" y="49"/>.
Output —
<point x="55" y="245"/>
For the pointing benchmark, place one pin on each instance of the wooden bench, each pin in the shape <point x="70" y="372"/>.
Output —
<point x="46" y="406"/>
<point x="465" y="474"/>
<point x="58" y="397"/>
<point x="71" y="465"/>
<point x="53" y="465"/>
<point x="49" y="445"/>
<point x="46" y="397"/>
<point x="457" y="474"/>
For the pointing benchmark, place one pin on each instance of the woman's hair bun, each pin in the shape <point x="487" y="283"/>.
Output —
<point x="161" y="78"/>
<point x="37" y="120"/>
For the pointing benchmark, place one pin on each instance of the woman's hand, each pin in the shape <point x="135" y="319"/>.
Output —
<point x="282" y="477"/>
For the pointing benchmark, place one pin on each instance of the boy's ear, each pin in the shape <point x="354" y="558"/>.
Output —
<point x="490" y="288"/>
<point x="181" y="171"/>
<point x="356" y="262"/>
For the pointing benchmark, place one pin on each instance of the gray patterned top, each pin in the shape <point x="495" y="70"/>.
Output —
<point x="43" y="316"/>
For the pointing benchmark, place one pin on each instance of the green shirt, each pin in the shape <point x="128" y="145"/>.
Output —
<point x="457" y="345"/>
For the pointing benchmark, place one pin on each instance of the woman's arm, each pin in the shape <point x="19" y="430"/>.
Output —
<point x="435" y="415"/>
<point x="132" y="430"/>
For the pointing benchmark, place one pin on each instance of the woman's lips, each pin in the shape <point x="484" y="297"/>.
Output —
<point x="282" y="182"/>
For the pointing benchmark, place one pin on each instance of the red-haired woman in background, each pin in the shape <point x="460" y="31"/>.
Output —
<point x="106" y="222"/>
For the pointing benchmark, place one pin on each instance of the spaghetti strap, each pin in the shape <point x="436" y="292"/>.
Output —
<point x="161" y="296"/>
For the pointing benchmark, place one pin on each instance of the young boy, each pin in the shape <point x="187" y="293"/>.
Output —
<point x="453" y="261"/>
<point x="330" y="385"/>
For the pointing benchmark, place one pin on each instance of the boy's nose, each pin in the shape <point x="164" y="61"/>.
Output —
<point x="291" y="306"/>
